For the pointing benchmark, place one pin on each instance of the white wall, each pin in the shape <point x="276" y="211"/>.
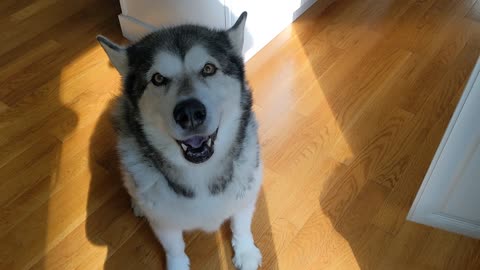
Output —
<point x="266" y="18"/>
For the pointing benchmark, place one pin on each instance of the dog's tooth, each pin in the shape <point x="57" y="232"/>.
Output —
<point x="209" y="142"/>
<point x="184" y="147"/>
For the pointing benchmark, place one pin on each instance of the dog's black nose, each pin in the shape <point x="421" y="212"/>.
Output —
<point x="189" y="114"/>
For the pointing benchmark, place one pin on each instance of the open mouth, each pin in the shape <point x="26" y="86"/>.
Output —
<point x="198" y="149"/>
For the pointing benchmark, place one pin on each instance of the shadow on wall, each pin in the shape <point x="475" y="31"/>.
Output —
<point x="210" y="13"/>
<point x="131" y="243"/>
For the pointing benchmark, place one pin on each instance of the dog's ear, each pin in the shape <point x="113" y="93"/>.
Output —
<point x="236" y="33"/>
<point x="116" y="53"/>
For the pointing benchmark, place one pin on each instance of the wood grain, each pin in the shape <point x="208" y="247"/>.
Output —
<point x="352" y="101"/>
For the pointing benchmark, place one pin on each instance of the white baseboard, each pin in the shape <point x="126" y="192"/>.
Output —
<point x="305" y="5"/>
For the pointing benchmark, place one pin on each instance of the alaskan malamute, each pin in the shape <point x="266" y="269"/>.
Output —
<point x="187" y="136"/>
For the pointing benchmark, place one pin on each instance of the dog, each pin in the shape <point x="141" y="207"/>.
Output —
<point x="187" y="136"/>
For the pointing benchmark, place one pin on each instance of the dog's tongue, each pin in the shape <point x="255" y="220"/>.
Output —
<point x="195" y="141"/>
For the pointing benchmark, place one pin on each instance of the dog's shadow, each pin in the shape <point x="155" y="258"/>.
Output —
<point x="129" y="240"/>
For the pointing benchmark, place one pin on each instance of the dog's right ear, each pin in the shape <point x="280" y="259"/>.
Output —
<point x="116" y="53"/>
<point x="236" y="33"/>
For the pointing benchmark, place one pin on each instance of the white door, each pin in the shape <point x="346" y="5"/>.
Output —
<point x="449" y="197"/>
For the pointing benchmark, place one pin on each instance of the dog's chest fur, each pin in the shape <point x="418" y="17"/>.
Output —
<point x="204" y="211"/>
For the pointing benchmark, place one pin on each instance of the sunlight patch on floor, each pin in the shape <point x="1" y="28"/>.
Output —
<point x="293" y="102"/>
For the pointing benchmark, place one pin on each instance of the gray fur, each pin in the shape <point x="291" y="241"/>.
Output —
<point x="185" y="88"/>
<point x="188" y="177"/>
<point x="178" y="40"/>
<point x="126" y="122"/>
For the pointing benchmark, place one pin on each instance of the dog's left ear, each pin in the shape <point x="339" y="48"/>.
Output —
<point x="236" y="33"/>
<point x="116" y="53"/>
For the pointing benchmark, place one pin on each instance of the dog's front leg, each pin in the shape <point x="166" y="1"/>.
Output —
<point x="174" y="246"/>
<point x="247" y="255"/>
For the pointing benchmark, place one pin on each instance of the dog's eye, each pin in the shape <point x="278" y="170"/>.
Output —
<point x="209" y="69"/>
<point x="158" y="79"/>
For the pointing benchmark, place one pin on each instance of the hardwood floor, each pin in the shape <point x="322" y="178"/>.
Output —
<point x="352" y="103"/>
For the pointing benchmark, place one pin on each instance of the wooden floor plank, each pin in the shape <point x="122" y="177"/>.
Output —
<point x="352" y="101"/>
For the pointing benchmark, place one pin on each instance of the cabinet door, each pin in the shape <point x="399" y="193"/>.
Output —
<point x="449" y="197"/>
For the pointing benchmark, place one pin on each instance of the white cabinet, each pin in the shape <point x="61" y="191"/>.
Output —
<point x="449" y="197"/>
<point x="266" y="18"/>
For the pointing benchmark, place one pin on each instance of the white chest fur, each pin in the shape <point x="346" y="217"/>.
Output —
<point x="206" y="211"/>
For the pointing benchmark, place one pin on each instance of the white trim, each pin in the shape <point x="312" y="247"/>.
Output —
<point x="416" y="213"/>
<point x="124" y="7"/>
<point x="451" y="224"/>
<point x="227" y="4"/>
<point x="305" y="5"/>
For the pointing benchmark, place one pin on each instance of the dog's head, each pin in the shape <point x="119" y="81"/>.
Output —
<point x="185" y="83"/>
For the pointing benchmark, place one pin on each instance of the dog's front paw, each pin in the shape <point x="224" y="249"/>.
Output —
<point x="136" y="209"/>
<point x="178" y="262"/>
<point x="247" y="258"/>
